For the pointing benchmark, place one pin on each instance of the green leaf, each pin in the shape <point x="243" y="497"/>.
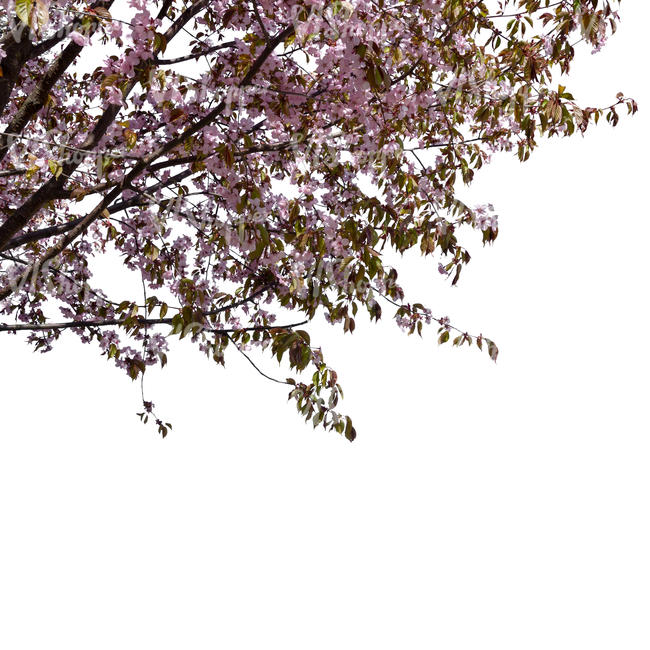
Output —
<point x="493" y="350"/>
<point x="55" y="168"/>
<point x="159" y="42"/>
<point x="350" y="432"/>
<point x="24" y="9"/>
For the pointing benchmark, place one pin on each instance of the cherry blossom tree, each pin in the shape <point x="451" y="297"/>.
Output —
<point x="246" y="165"/>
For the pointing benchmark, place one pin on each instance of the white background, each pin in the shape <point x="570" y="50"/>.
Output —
<point x="483" y="506"/>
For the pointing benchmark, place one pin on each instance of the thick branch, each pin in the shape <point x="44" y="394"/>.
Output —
<point x="166" y="6"/>
<point x="42" y="233"/>
<point x="37" y="98"/>
<point x="18" y="48"/>
<point x="62" y="228"/>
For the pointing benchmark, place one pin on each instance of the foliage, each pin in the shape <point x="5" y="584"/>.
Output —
<point x="245" y="160"/>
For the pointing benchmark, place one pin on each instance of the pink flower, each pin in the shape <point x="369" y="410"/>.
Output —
<point x="462" y="46"/>
<point x="114" y="95"/>
<point x="548" y="45"/>
<point x="79" y="39"/>
<point x="114" y="29"/>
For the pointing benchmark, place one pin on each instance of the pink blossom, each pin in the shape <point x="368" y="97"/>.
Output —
<point x="462" y="46"/>
<point x="114" y="95"/>
<point x="79" y="39"/>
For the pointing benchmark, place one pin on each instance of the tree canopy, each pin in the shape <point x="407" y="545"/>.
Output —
<point x="243" y="166"/>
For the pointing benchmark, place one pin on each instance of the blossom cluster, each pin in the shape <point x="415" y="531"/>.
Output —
<point x="247" y="163"/>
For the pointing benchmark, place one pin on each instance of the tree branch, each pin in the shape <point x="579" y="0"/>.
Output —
<point x="195" y="55"/>
<point x="42" y="233"/>
<point x="114" y="322"/>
